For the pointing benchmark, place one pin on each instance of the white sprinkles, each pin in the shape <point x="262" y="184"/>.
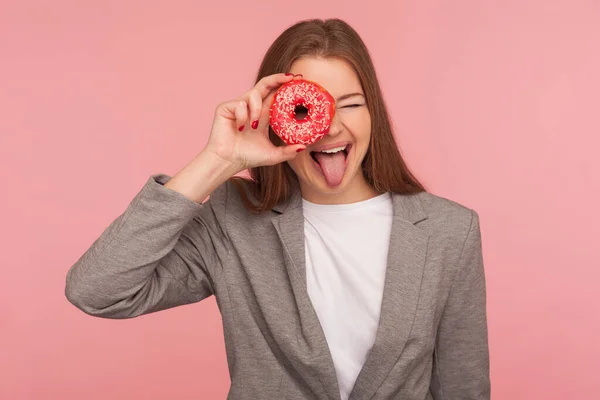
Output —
<point x="314" y="126"/>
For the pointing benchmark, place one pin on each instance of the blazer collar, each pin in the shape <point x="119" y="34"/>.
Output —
<point x="406" y="260"/>
<point x="408" y="207"/>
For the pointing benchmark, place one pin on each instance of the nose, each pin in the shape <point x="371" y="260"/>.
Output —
<point x="336" y="126"/>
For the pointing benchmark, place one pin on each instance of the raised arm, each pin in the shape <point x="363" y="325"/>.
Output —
<point x="158" y="254"/>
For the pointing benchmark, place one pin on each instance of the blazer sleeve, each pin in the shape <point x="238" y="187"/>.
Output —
<point x="461" y="356"/>
<point x="158" y="254"/>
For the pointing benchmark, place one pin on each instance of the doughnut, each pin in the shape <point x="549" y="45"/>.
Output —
<point x="301" y="112"/>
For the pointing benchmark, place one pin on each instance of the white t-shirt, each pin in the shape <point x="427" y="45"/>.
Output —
<point x="346" y="260"/>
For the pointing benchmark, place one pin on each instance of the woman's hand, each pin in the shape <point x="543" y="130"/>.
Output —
<point x="240" y="130"/>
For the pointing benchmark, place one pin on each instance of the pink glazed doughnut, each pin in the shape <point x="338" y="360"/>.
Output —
<point x="301" y="112"/>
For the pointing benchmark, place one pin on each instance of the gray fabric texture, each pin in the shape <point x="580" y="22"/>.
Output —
<point x="166" y="250"/>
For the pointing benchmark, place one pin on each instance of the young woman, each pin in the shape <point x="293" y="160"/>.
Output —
<point x="337" y="275"/>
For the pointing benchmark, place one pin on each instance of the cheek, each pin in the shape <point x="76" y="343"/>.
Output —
<point x="293" y="164"/>
<point x="358" y="123"/>
<point x="298" y="164"/>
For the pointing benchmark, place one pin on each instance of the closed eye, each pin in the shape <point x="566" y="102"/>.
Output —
<point x="352" y="105"/>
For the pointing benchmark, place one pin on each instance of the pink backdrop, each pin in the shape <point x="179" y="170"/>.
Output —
<point x="495" y="106"/>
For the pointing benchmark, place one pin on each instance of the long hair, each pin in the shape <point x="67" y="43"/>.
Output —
<point x="383" y="166"/>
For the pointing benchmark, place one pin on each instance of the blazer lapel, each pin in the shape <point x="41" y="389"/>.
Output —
<point x="312" y="357"/>
<point x="406" y="259"/>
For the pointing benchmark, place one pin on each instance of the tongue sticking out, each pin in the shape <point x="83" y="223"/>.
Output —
<point x="332" y="166"/>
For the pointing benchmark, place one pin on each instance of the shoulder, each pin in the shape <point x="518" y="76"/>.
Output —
<point x="441" y="207"/>
<point x="447" y="218"/>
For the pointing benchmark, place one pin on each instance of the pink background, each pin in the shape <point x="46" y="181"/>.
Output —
<point x="495" y="104"/>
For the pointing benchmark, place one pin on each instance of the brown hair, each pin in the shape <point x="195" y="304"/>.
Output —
<point x="383" y="166"/>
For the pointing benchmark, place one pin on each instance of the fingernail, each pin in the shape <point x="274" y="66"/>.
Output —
<point x="299" y="150"/>
<point x="288" y="74"/>
<point x="241" y="128"/>
<point x="298" y="75"/>
<point x="255" y="124"/>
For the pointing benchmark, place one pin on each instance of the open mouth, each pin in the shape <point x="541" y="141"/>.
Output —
<point x="345" y="150"/>
<point x="331" y="164"/>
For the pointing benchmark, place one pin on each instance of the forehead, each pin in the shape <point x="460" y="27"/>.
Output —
<point x="335" y="74"/>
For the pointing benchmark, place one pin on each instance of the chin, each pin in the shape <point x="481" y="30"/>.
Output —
<point x="323" y="188"/>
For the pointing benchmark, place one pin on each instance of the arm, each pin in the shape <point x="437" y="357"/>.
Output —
<point x="461" y="357"/>
<point x="159" y="253"/>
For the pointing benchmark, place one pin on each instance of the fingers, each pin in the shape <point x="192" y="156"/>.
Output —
<point x="241" y="115"/>
<point x="260" y="96"/>
<point x="258" y="109"/>
<point x="268" y="99"/>
<point x="266" y="105"/>
<point x="271" y="82"/>
<point x="286" y="153"/>
<point x="236" y="110"/>
<point x="255" y="104"/>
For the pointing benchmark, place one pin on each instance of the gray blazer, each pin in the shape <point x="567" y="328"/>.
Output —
<point x="166" y="250"/>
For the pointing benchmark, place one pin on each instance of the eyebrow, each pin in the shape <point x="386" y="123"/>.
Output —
<point x="346" y="96"/>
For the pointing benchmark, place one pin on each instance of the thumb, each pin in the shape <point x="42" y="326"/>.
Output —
<point x="290" y="151"/>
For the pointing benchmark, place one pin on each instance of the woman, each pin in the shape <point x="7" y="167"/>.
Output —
<point x="337" y="276"/>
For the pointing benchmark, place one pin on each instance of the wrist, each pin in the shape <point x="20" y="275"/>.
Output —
<point x="217" y="163"/>
<point x="199" y="178"/>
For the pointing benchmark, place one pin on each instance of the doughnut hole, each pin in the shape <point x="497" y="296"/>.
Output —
<point x="300" y="112"/>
